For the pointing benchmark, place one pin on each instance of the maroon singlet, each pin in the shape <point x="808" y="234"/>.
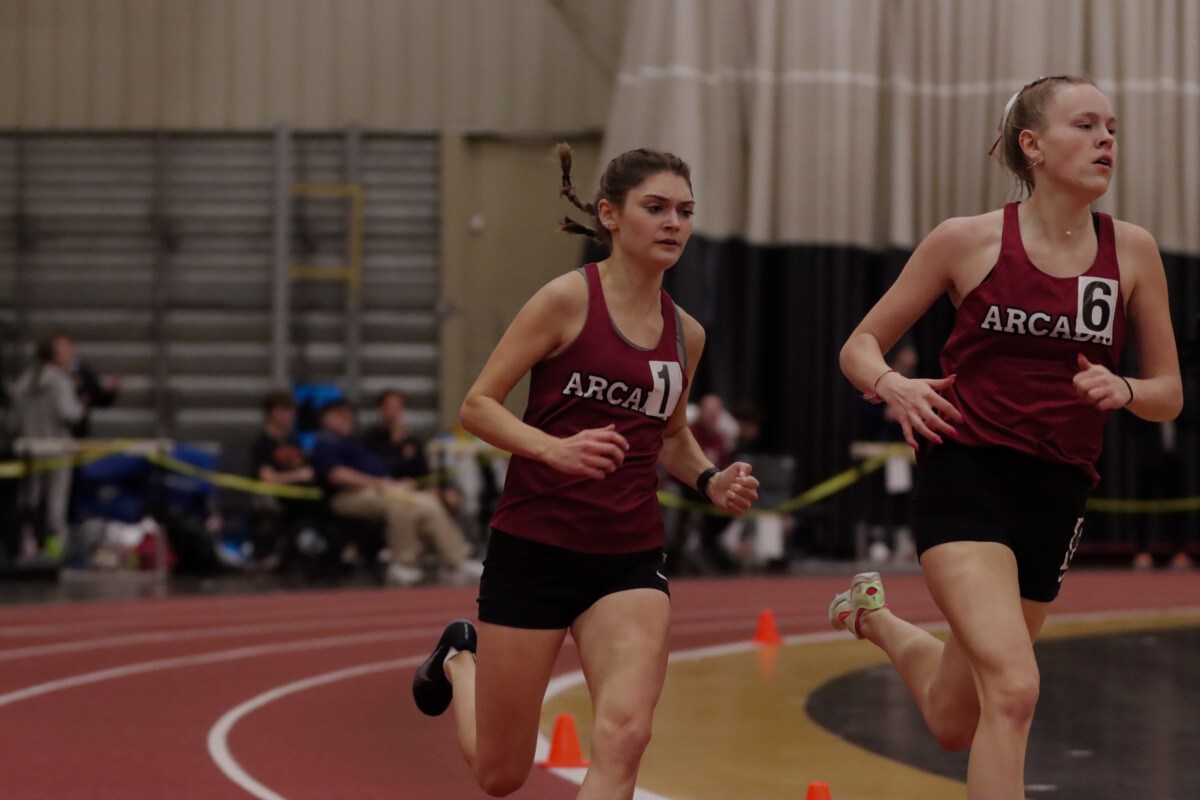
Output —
<point x="599" y="379"/>
<point x="1014" y="346"/>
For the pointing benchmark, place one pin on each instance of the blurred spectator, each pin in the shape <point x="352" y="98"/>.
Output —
<point x="1160" y="474"/>
<point x="93" y="391"/>
<point x="404" y="452"/>
<point x="760" y="541"/>
<point x="749" y="418"/>
<point x="359" y="487"/>
<point x="46" y="407"/>
<point x="277" y="458"/>
<point x="715" y="431"/>
<point x="889" y="532"/>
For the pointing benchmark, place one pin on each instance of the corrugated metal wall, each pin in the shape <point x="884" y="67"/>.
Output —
<point x="414" y="65"/>
<point x="155" y="252"/>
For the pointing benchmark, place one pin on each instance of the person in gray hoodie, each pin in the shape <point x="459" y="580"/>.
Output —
<point x="46" y="406"/>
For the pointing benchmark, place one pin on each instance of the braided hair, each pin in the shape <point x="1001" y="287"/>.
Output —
<point x="623" y="173"/>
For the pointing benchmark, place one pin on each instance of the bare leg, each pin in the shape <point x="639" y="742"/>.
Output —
<point x="498" y="700"/>
<point x="623" y="646"/>
<point x="937" y="675"/>
<point x="984" y="679"/>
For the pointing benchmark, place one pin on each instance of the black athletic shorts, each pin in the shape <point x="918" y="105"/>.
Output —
<point x="996" y="494"/>
<point x="528" y="584"/>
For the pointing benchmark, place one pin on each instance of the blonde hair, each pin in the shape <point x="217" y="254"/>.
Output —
<point x="1027" y="111"/>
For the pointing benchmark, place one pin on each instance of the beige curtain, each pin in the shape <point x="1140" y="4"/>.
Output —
<point x="866" y="122"/>
<point x="508" y="66"/>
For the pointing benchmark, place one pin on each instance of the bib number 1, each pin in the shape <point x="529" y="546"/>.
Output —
<point x="668" y="385"/>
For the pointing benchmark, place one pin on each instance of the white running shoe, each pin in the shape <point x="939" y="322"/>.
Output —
<point x="404" y="575"/>
<point x="864" y="596"/>
<point x="465" y="573"/>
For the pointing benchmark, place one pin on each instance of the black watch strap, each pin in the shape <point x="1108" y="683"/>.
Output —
<point x="703" y="479"/>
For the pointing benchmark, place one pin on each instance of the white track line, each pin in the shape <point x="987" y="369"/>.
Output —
<point x="232" y="631"/>
<point x="218" y="735"/>
<point x="214" y="657"/>
<point x="141" y="667"/>
<point x="187" y="617"/>
<point x="215" y="632"/>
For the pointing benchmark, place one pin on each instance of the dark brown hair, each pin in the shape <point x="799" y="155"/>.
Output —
<point x="1028" y="112"/>
<point x="280" y="398"/>
<point x="623" y="173"/>
<point x="386" y="393"/>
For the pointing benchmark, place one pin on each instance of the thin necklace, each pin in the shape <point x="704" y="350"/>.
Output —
<point x="1047" y="227"/>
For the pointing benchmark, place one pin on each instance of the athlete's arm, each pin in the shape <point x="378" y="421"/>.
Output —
<point x="949" y="259"/>
<point x="1158" y="393"/>
<point x="548" y="322"/>
<point x="733" y="488"/>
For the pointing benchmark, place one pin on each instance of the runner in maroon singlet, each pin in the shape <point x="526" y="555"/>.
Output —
<point x="1045" y="290"/>
<point x="577" y="538"/>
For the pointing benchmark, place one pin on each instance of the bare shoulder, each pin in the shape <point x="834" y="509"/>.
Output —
<point x="963" y="235"/>
<point x="958" y="254"/>
<point x="1134" y="241"/>
<point x="570" y="287"/>
<point x="565" y="295"/>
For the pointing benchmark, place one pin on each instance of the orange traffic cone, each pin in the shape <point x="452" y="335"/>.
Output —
<point x="564" y="745"/>
<point x="767" y="633"/>
<point x="818" y="790"/>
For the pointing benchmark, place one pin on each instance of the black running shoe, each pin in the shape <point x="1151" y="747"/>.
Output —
<point x="431" y="688"/>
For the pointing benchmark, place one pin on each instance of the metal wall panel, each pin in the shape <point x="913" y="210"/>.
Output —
<point x="155" y="251"/>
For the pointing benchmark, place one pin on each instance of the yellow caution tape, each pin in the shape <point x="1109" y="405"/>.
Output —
<point x="239" y="483"/>
<point x="810" y="496"/>
<point x="843" y="480"/>
<point x="1113" y="505"/>
<point x="235" y="482"/>
<point x="18" y="469"/>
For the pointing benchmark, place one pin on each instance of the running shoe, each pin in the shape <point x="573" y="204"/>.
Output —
<point x="864" y="595"/>
<point x="431" y="688"/>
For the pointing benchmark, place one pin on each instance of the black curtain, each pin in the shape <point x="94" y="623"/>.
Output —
<point x="776" y="318"/>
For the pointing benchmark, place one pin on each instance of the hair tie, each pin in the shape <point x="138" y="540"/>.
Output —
<point x="1004" y="117"/>
<point x="1012" y="101"/>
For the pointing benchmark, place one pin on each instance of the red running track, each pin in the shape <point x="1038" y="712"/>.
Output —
<point x="305" y="695"/>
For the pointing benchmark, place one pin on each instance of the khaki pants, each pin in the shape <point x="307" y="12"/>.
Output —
<point x="410" y="518"/>
<point x="54" y="489"/>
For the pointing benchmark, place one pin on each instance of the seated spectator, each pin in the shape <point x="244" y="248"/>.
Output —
<point x="403" y="451"/>
<point x="276" y="457"/>
<point x="46" y="407"/>
<point x="359" y="487"/>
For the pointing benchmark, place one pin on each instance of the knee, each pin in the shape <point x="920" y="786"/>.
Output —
<point x="427" y="506"/>
<point x="623" y="737"/>
<point x="1013" y="694"/>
